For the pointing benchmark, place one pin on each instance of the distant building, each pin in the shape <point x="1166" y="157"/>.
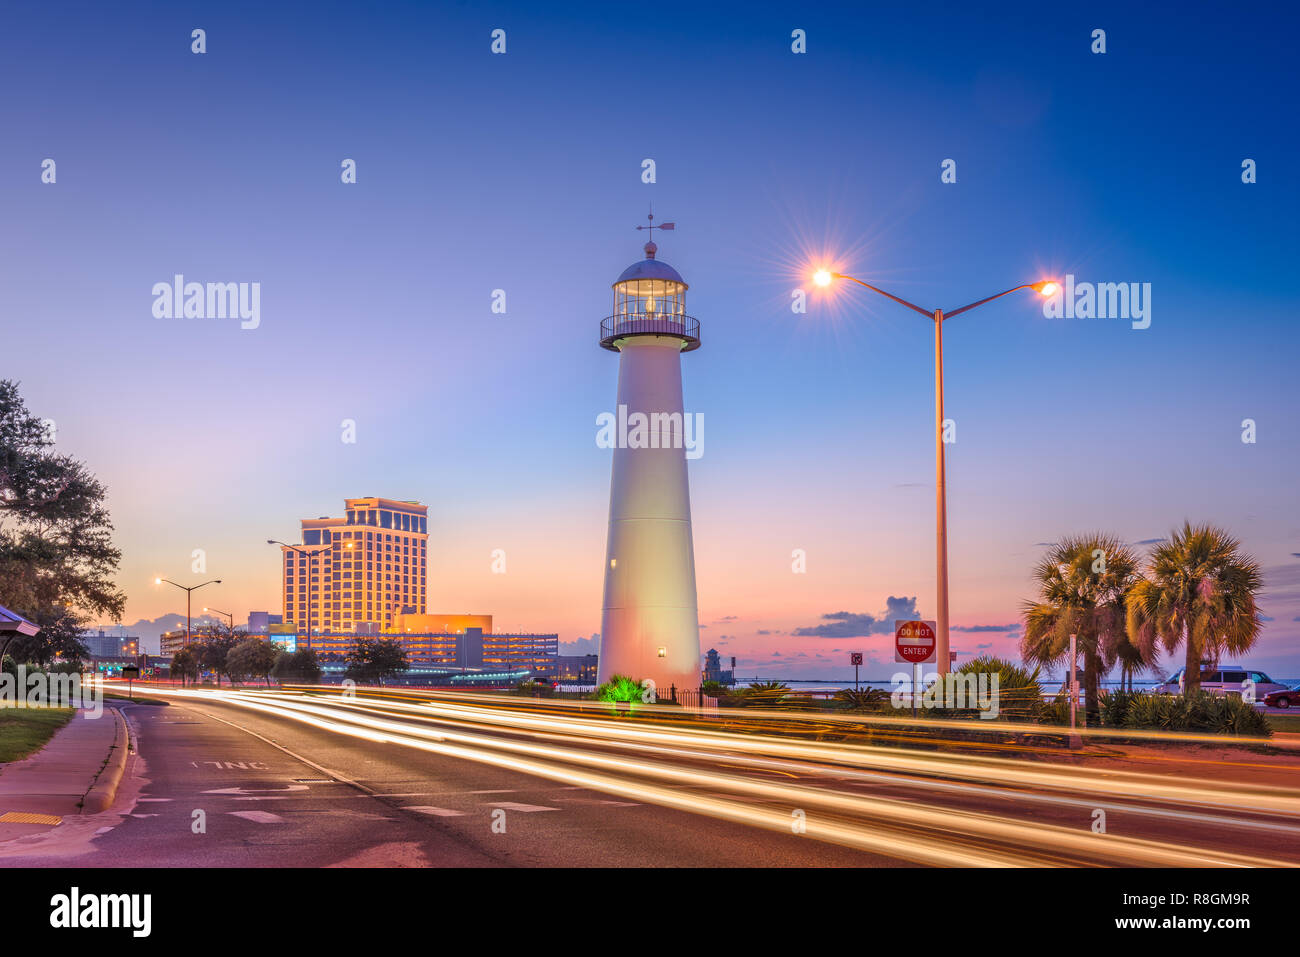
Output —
<point x="260" y="622"/>
<point x="713" y="669"/>
<point x="575" y="669"/>
<point x="359" y="572"/>
<point x="100" y="644"/>
<point x="170" y="642"/>
<point x="470" y="650"/>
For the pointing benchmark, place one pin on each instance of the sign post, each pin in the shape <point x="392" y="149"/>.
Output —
<point x="855" y="659"/>
<point x="914" y="644"/>
<point x="130" y="673"/>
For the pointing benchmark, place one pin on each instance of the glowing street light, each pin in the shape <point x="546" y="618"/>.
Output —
<point x="1046" y="288"/>
<point x="311" y="557"/>
<point x="188" y="589"/>
<point x="218" y="611"/>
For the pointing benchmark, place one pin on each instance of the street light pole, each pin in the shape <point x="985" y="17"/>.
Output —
<point x="218" y="611"/>
<point x="188" y="589"/>
<point x="940" y="504"/>
<point x="1046" y="287"/>
<point x="310" y="556"/>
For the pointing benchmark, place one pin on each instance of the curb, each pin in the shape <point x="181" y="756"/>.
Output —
<point x="104" y="790"/>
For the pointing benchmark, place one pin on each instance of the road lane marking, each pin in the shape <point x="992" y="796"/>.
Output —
<point x="435" y="811"/>
<point x="526" y="808"/>
<point x="241" y="791"/>
<point x="259" y="817"/>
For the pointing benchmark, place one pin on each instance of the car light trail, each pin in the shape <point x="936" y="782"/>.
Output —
<point x="616" y="757"/>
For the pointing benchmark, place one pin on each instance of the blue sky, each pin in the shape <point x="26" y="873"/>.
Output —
<point x="523" y="172"/>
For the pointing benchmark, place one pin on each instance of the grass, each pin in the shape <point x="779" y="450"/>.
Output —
<point x="1284" y="722"/>
<point x="25" y="730"/>
<point x="137" y="698"/>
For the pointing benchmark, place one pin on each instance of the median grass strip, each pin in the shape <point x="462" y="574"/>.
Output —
<point x="138" y="698"/>
<point x="24" y="731"/>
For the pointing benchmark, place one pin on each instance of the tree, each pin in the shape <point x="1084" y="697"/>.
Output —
<point x="251" y="658"/>
<point x="57" y="559"/>
<point x="186" y="663"/>
<point x="301" y="666"/>
<point x="1199" y="591"/>
<point x="1083" y="581"/>
<point x="213" y="646"/>
<point x="371" y="660"/>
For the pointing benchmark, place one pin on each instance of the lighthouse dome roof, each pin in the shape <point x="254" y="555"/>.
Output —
<point x="651" y="269"/>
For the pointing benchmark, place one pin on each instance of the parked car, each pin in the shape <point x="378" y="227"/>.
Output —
<point x="1226" y="679"/>
<point x="1283" y="699"/>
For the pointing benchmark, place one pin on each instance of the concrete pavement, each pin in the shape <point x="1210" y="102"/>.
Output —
<point x="77" y="771"/>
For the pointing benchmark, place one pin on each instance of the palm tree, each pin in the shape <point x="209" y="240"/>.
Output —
<point x="1199" y="591"/>
<point x="1082" y="583"/>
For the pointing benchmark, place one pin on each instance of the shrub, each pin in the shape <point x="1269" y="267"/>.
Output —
<point x="1020" y="696"/>
<point x="620" y="690"/>
<point x="1114" y="707"/>
<point x="866" y="699"/>
<point x="1201" y="711"/>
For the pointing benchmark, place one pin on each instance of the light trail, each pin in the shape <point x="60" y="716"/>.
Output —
<point x="560" y="747"/>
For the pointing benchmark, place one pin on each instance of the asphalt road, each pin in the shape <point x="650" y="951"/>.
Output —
<point x="281" y="779"/>
<point x="358" y="803"/>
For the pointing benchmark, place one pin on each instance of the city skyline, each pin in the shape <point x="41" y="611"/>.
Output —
<point x="376" y="300"/>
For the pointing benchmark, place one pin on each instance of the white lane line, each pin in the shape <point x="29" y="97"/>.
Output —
<point x="528" y="808"/>
<point x="258" y="817"/>
<point x="158" y="800"/>
<point x="435" y="811"/>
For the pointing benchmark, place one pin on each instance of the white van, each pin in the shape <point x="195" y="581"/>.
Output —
<point x="1227" y="679"/>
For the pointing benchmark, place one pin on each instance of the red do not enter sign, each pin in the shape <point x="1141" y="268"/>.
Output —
<point x="914" y="641"/>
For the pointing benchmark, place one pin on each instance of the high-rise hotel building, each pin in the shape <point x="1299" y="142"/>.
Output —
<point x="357" y="574"/>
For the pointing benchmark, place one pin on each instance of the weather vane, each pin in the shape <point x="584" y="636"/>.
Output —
<point x="653" y="227"/>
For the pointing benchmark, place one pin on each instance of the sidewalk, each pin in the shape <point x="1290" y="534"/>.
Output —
<point x="77" y="772"/>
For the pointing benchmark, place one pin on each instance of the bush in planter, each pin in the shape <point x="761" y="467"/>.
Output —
<point x="1114" y="707"/>
<point x="620" y="692"/>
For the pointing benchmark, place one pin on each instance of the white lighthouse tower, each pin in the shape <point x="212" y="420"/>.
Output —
<point x="650" y="620"/>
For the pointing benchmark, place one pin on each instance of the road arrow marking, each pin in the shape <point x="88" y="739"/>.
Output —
<point x="291" y="787"/>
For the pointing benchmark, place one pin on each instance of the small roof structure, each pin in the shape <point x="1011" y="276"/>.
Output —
<point x="12" y="623"/>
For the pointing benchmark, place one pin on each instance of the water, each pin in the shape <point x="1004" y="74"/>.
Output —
<point x="1050" y="684"/>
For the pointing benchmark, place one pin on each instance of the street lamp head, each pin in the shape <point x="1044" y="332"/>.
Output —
<point x="1048" y="287"/>
<point x="823" y="277"/>
<point x="157" y="581"/>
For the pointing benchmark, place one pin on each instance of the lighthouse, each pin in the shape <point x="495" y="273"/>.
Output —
<point x="650" y="620"/>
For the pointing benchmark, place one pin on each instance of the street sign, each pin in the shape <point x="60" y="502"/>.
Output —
<point x="914" y="641"/>
<point x="855" y="658"/>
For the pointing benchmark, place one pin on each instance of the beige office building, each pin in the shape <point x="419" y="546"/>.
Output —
<point x="359" y="573"/>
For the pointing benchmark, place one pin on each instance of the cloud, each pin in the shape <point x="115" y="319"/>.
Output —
<point x="763" y="631"/>
<point x="844" y="624"/>
<point x="728" y="618"/>
<point x="582" y="646"/>
<point x="978" y="628"/>
<point x="1151" y="541"/>
<point x="981" y="647"/>
<point x="1044" y="544"/>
